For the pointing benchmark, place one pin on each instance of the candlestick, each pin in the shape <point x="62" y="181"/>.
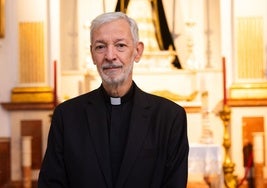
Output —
<point x="55" y="83"/>
<point x="230" y="180"/>
<point x="224" y="81"/>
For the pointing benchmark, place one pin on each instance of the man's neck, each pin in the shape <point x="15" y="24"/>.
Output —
<point x="117" y="90"/>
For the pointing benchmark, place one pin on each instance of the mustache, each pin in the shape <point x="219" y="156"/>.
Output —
<point x="111" y="65"/>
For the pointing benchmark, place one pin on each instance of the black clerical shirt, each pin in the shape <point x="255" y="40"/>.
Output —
<point x="118" y="124"/>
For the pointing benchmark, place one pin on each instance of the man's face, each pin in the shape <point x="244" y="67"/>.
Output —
<point x="114" y="52"/>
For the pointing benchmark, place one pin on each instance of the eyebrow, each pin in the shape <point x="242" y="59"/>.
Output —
<point x="99" y="41"/>
<point x="117" y="40"/>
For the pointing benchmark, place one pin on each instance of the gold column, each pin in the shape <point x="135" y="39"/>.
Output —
<point x="31" y="55"/>
<point x="32" y="65"/>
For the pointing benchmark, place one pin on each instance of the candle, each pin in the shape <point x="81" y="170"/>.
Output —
<point x="258" y="147"/>
<point x="26" y="151"/>
<point x="55" y="83"/>
<point x="224" y="81"/>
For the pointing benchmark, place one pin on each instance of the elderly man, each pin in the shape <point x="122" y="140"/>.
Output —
<point x="116" y="136"/>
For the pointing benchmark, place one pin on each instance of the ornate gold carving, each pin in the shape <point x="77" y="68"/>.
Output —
<point x="175" y="97"/>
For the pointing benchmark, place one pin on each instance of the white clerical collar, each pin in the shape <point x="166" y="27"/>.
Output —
<point x="115" y="101"/>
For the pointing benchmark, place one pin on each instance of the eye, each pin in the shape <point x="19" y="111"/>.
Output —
<point x="100" y="48"/>
<point x="121" y="47"/>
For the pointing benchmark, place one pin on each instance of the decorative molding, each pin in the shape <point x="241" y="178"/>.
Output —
<point x="248" y="91"/>
<point x="247" y="102"/>
<point x="32" y="94"/>
<point x="11" y="106"/>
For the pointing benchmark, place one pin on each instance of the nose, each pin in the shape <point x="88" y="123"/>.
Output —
<point x="110" y="53"/>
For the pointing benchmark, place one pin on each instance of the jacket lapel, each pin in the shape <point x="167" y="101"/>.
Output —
<point x="137" y="133"/>
<point x="99" y="133"/>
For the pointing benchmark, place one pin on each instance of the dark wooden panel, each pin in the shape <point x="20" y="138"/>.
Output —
<point x="251" y="125"/>
<point x="4" y="161"/>
<point x="33" y="128"/>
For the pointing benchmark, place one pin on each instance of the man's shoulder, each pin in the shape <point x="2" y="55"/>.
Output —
<point x="81" y="99"/>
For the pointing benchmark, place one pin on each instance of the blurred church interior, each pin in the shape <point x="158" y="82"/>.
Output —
<point x="209" y="56"/>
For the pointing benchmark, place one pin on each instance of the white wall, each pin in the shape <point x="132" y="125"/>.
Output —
<point x="8" y="63"/>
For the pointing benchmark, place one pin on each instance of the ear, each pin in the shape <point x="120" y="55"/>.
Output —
<point x="139" y="51"/>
